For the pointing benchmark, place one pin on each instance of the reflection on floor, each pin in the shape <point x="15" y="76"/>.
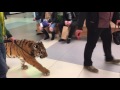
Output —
<point x="64" y="60"/>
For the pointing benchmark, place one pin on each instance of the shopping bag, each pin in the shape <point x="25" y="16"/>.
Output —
<point x="65" y="32"/>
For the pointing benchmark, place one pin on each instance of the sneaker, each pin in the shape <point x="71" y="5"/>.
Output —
<point x="91" y="69"/>
<point x="114" y="61"/>
<point x="68" y="40"/>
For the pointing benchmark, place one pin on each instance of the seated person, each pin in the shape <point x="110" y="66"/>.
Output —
<point x="70" y="20"/>
<point x="51" y="23"/>
<point x="37" y="18"/>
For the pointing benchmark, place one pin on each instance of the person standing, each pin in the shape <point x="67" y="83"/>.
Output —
<point x="3" y="32"/>
<point x="98" y="25"/>
<point x="37" y="18"/>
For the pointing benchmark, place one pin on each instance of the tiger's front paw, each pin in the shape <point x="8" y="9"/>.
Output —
<point x="24" y="67"/>
<point x="46" y="72"/>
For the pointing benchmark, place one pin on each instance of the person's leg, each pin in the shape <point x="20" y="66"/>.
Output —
<point x="106" y="38"/>
<point x="52" y="30"/>
<point x="46" y="34"/>
<point x="3" y="65"/>
<point x="38" y="27"/>
<point x="71" y="32"/>
<point x="45" y="30"/>
<point x="92" y="38"/>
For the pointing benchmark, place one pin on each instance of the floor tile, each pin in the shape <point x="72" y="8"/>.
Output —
<point x="101" y="74"/>
<point x="64" y="70"/>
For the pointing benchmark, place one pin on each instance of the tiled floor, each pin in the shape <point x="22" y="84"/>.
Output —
<point x="64" y="60"/>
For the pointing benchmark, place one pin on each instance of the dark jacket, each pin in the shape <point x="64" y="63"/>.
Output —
<point x="8" y="34"/>
<point x="92" y="19"/>
<point x="67" y="16"/>
<point x="75" y="16"/>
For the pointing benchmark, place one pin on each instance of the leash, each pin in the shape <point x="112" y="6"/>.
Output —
<point x="7" y="41"/>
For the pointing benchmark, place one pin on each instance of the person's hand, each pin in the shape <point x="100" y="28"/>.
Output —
<point x="69" y="23"/>
<point x="66" y="23"/>
<point x="118" y="22"/>
<point x="12" y="39"/>
<point x="77" y="33"/>
<point x="49" y="24"/>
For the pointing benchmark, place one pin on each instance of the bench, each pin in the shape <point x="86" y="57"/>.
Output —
<point x="84" y="33"/>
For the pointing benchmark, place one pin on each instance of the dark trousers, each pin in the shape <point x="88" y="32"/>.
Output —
<point x="72" y="28"/>
<point x="3" y="65"/>
<point x="92" y="38"/>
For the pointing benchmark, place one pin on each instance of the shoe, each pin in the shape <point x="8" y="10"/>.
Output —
<point x="114" y="61"/>
<point x="46" y="38"/>
<point x="61" y="40"/>
<point x="91" y="69"/>
<point x="52" y="38"/>
<point x="68" y="40"/>
<point x="38" y="33"/>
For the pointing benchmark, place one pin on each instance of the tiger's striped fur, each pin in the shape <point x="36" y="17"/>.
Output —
<point x="26" y="51"/>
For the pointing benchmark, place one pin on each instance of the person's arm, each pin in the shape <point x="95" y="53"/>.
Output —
<point x="9" y="35"/>
<point x="80" y="23"/>
<point x="34" y="18"/>
<point x="81" y="19"/>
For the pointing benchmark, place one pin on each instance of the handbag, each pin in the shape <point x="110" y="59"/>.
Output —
<point x="116" y="36"/>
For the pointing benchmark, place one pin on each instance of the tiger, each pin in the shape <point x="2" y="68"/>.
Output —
<point x="27" y="51"/>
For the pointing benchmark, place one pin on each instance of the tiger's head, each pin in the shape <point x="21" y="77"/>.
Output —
<point x="38" y="50"/>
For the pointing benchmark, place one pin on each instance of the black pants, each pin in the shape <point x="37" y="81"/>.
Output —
<point x="72" y="28"/>
<point x="92" y="38"/>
